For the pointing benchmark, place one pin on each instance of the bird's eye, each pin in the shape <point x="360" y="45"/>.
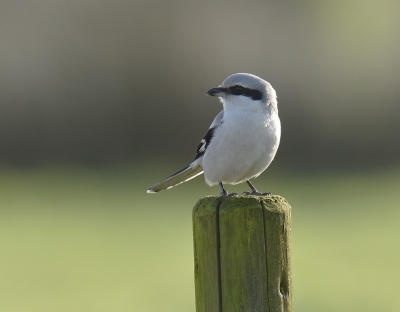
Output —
<point x="238" y="88"/>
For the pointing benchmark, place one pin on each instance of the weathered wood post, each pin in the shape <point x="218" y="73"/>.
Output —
<point x="242" y="254"/>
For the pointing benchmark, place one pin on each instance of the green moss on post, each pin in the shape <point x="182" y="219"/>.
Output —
<point x="242" y="254"/>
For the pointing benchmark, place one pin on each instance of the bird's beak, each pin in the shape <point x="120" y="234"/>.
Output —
<point x="219" y="92"/>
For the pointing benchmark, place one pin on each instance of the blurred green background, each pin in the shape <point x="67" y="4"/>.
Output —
<point x="93" y="99"/>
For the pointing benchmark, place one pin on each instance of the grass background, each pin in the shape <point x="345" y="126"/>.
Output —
<point x="92" y="240"/>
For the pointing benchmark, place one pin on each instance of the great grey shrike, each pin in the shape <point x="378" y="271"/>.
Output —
<point x="242" y="140"/>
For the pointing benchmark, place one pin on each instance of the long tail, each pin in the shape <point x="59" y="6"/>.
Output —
<point x="186" y="174"/>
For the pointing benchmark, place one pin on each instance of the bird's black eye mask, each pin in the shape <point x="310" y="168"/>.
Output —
<point x="240" y="90"/>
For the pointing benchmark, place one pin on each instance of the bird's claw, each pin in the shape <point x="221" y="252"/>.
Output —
<point x="256" y="193"/>
<point x="226" y="194"/>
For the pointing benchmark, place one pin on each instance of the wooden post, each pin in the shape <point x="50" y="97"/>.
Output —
<point x="242" y="254"/>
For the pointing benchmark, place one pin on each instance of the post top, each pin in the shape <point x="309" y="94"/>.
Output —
<point x="270" y="202"/>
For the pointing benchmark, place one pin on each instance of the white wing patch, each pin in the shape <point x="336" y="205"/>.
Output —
<point x="202" y="148"/>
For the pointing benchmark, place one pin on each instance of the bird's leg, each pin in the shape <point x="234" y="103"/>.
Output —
<point x="254" y="191"/>
<point x="224" y="192"/>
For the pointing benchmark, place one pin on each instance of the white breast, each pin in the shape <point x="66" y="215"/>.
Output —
<point x="243" y="146"/>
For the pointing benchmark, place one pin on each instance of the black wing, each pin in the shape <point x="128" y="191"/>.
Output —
<point x="205" y="142"/>
<point x="201" y="149"/>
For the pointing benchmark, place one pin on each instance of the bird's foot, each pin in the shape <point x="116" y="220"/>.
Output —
<point x="226" y="194"/>
<point x="256" y="193"/>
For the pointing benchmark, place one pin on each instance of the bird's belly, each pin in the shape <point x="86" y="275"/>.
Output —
<point x="241" y="151"/>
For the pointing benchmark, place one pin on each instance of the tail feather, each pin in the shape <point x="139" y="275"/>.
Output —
<point x="186" y="174"/>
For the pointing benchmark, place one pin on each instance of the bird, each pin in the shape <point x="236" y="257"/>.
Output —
<point x="242" y="140"/>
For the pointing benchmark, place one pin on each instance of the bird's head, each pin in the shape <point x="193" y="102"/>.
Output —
<point x="241" y="91"/>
